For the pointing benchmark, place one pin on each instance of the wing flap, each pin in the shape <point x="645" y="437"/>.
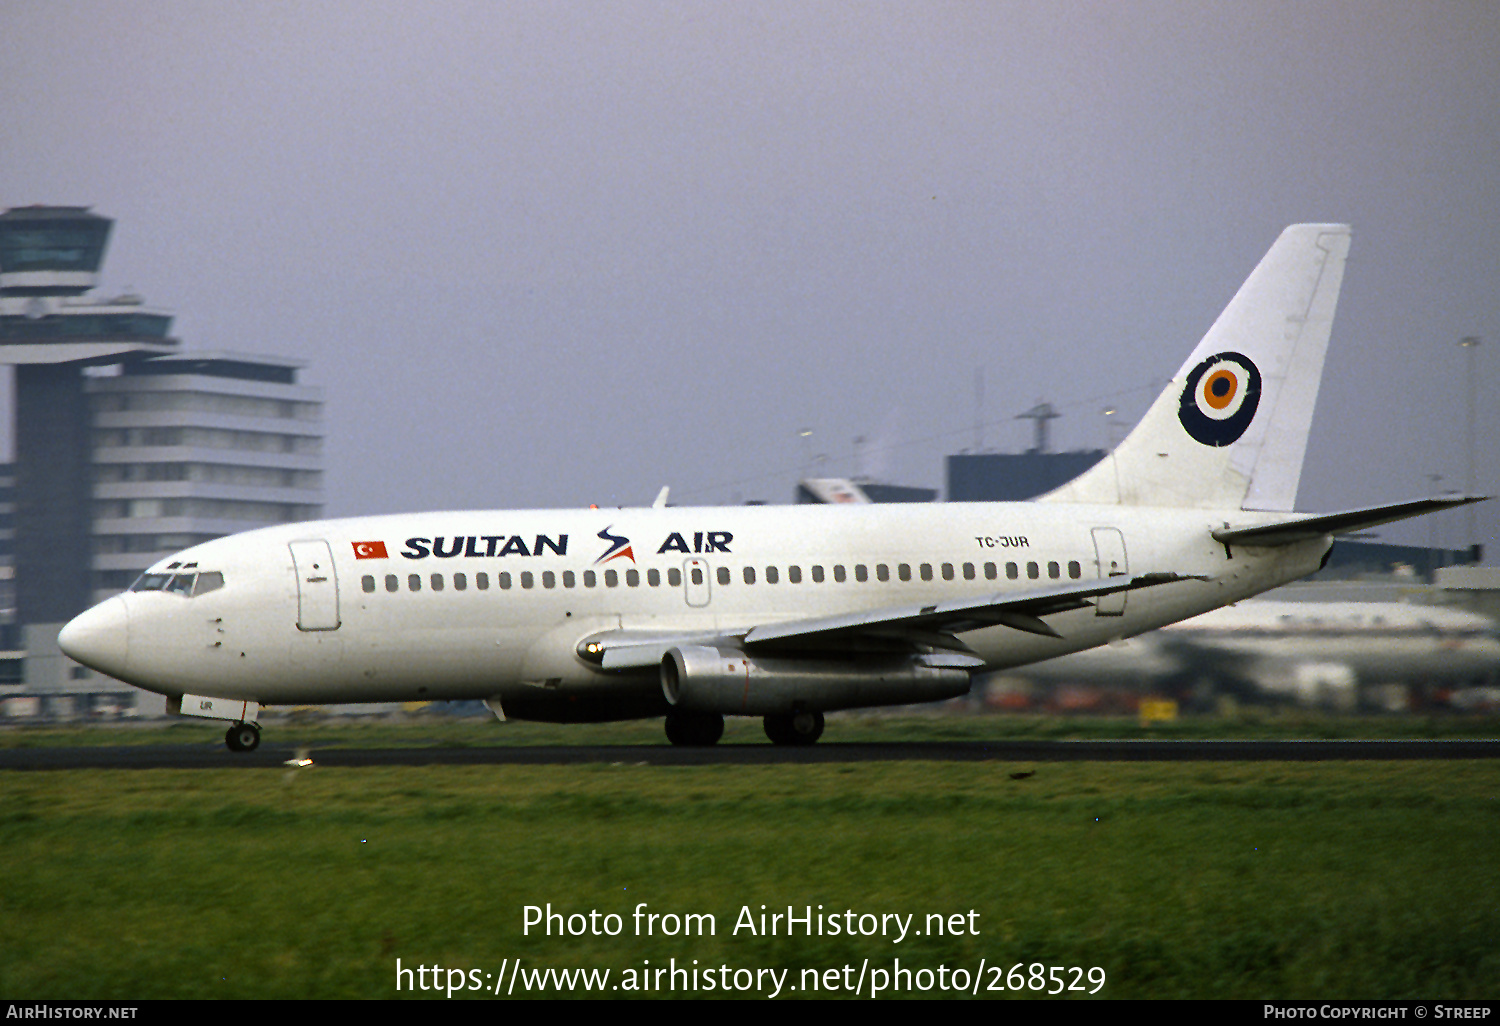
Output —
<point x="933" y="625"/>
<point x="1021" y="611"/>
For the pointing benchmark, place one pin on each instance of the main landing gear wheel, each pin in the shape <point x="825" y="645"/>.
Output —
<point x="694" y="729"/>
<point x="799" y="728"/>
<point x="243" y="737"/>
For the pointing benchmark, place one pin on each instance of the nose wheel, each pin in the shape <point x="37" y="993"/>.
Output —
<point x="243" y="737"/>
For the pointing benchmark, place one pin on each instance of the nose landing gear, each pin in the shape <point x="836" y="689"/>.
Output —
<point x="242" y="737"/>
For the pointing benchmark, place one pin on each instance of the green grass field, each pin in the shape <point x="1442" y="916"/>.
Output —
<point x="437" y="730"/>
<point x="1286" y="880"/>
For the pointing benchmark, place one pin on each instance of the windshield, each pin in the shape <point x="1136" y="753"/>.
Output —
<point x="151" y="582"/>
<point x="187" y="585"/>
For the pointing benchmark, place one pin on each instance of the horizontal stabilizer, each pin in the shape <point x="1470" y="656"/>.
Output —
<point x="1315" y="525"/>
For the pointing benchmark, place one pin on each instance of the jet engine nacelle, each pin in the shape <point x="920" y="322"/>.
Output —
<point x="730" y="682"/>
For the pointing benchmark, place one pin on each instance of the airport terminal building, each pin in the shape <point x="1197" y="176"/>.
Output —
<point x="127" y="448"/>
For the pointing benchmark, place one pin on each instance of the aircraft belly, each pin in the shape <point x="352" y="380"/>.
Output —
<point x="366" y="664"/>
<point x="1004" y="647"/>
<point x="598" y="700"/>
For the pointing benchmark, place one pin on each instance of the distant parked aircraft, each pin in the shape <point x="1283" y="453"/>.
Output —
<point x="1311" y="653"/>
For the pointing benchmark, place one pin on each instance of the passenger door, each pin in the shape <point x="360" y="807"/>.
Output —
<point x="1109" y="548"/>
<point x="317" y="586"/>
<point x="695" y="582"/>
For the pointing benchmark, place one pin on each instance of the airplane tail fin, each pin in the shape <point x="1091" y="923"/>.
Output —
<point x="1230" y="430"/>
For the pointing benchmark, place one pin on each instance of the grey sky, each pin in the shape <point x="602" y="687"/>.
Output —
<point x="553" y="254"/>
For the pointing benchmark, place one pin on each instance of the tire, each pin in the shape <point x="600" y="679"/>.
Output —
<point x="800" y="728"/>
<point x="243" y="737"/>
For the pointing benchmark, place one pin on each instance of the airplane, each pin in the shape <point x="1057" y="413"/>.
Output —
<point x="784" y="613"/>
<point x="1311" y="652"/>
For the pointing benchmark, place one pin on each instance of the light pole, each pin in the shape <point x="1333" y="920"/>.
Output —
<point x="1470" y="345"/>
<point x="1433" y="559"/>
<point x="1114" y="430"/>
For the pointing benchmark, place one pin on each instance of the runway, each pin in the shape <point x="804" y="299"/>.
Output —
<point x="268" y="756"/>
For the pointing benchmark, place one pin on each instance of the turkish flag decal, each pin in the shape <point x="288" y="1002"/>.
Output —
<point x="370" y="550"/>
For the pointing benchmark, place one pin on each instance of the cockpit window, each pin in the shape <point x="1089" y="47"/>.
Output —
<point x="180" y="584"/>
<point x="151" y="582"/>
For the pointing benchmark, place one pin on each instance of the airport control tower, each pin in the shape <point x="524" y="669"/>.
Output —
<point x="49" y="258"/>
<point x="127" y="448"/>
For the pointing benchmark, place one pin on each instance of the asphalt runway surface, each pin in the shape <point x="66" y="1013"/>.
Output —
<point x="270" y="755"/>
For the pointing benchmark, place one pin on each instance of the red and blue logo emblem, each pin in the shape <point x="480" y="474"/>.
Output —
<point x="619" y="548"/>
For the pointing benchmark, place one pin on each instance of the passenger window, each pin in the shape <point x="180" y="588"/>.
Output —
<point x="860" y="573"/>
<point x="947" y="571"/>
<point x="653" y="578"/>
<point x="460" y="582"/>
<point x="794" y="574"/>
<point x="817" y="575"/>
<point x="1033" y="572"/>
<point x="569" y="580"/>
<point x="926" y="571"/>
<point x="210" y="581"/>
<point x="437" y="582"/>
<point x="749" y="575"/>
<point x="723" y="575"/>
<point x="590" y="579"/>
<point x="882" y="572"/>
<point x="392" y="582"/>
<point x="414" y="582"/>
<point x="697" y="576"/>
<point x="549" y="579"/>
<point x="528" y="579"/>
<point x="368" y="583"/>
<point x="503" y="578"/>
<point x="1054" y="571"/>
<point x="611" y="579"/>
<point x="838" y="573"/>
<point x="903" y="571"/>
<point x="772" y="575"/>
<point x="633" y="578"/>
<point x="1075" y="569"/>
<point x="968" y="571"/>
<point x="1012" y="571"/>
<point x="482" y="581"/>
<point x="991" y="571"/>
<point x="674" y="576"/>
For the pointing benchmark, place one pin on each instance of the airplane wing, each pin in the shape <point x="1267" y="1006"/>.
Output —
<point x="1303" y="528"/>
<point x="934" y="625"/>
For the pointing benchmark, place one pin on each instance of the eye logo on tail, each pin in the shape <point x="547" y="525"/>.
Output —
<point x="1220" y="399"/>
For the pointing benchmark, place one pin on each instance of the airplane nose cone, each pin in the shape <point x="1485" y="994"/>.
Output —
<point x="98" y="637"/>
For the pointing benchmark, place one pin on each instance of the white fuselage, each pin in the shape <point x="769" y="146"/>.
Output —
<point x="483" y="605"/>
